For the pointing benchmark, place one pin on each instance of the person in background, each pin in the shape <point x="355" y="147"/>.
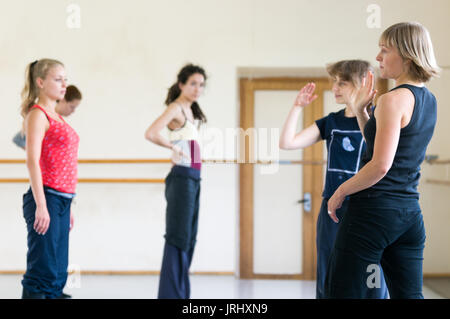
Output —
<point x="183" y="182"/>
<point x="65" y="107"/>
<point x="345" y="145"/>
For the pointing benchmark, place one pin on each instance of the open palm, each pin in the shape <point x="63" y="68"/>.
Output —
<point x="306" y="95"/>
<point x="364" y="95"/>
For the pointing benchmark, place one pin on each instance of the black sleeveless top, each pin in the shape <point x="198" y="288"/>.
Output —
<point x="403" y="177"/>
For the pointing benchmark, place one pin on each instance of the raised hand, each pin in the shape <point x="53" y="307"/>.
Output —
<point x="364" y="95"/>
<point x="306" y="95"/>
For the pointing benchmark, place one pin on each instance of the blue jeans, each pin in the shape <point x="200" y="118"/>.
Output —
<point x="48" y="255"/>
<point x="387" y="231"/>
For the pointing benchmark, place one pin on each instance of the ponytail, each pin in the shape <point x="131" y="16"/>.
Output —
<point x="173" y="94"/>
<point x="198" y="114"/>
<point x="30" y="91"/>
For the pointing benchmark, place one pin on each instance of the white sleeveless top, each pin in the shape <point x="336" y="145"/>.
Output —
<point x="187" y="132"/>
<point x="186" y="137"/>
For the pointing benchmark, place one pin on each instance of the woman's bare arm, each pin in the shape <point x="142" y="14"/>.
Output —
<point x="36" y="126"/>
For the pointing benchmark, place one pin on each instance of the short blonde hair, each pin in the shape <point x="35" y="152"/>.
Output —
<point x="413" y="42"/>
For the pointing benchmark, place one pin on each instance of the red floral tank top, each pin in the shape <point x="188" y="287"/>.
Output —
<point x="59" y="156"/>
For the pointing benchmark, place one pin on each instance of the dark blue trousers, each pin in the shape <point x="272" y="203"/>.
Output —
<point x="386" y="231"/>
<point x="325" y="238"/>
<point x="48" y="255"/>
<point x="326" y="231"/>
<point x="174" y="278"/>
<point x="183" y="200"/>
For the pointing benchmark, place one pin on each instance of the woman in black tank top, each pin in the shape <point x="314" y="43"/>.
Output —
<point x="384" y="223"/>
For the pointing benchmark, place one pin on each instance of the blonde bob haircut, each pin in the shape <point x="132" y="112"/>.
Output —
<point x="413" y="43"/>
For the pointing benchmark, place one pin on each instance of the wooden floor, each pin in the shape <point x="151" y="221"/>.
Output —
<point x="202" y="287"/>
<point x="440" y="286"/>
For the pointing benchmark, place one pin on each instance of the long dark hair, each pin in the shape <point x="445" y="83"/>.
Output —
<point x="182" y="78"/>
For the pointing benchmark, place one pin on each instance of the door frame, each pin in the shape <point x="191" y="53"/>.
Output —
<point x="312" y="175"/>
<point x="312" y="172"/>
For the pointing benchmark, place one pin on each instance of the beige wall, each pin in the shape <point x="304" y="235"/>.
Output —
<point x="434" y="197"/>
<point x="124" y="57"/>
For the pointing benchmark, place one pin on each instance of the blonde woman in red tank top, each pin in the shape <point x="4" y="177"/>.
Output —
<point x="51" y="157"/>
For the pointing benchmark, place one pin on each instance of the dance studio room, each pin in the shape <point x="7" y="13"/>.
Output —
<point x="238" y="149"/>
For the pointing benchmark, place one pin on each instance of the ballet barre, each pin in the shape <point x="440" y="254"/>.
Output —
<point x="439" y="162"/>
<point x="433" y="160"/>
<point x="147" y="161"/>
<point x="438" y="182"/>
<point x="95" y="180"/>
<point x="168" y="161"/>
<point x="430" y="161"/>
<point x="259" y="162"/>
<point x="98" y="161"/>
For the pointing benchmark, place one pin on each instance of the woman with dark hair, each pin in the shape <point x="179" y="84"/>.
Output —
<point x="183" y="182"/>
<point x="65" y="107"/>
